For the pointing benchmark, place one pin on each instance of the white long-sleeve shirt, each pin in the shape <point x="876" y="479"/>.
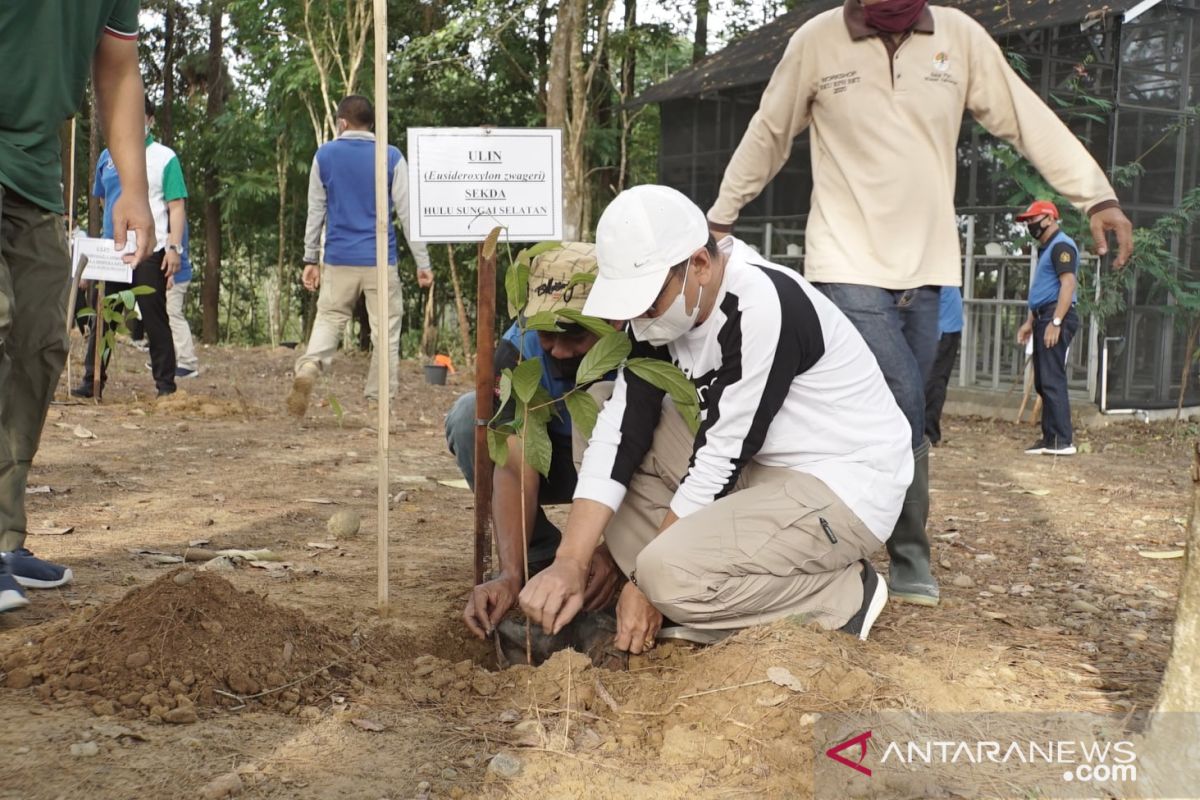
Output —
<point x="785" y="380"/>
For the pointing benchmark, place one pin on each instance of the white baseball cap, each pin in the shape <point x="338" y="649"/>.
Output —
<point x="644" y="232"/>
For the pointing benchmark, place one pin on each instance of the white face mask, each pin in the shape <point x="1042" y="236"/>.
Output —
<point x="672" y="323"/>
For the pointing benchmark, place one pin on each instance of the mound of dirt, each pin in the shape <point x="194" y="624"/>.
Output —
<point x="182" y="403"/>
<point x="188" y="640"/>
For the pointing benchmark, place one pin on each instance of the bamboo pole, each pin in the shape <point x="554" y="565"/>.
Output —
<point x="382" y="340"/>
<point x="485" y="322"/>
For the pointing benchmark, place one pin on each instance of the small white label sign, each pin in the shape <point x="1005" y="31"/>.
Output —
<point x="463" y="182"/>
<point x="104" y="263"/>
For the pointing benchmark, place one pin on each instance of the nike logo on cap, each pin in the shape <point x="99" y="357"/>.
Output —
<point x="640" y="264"/>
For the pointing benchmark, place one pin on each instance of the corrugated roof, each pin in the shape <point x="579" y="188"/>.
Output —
<point x="751" y="59"/>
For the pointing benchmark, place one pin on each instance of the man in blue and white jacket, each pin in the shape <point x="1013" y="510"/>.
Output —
<point x="341" y="204"/>
<point x="798" y="470"/>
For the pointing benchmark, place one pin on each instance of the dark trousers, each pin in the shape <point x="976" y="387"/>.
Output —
<point x="939" y="379"/>
<point x="154" y="318"/>
<point x="1050" y="375"/>
<point x="556" y="488"/>
<point x="900" y="328"/>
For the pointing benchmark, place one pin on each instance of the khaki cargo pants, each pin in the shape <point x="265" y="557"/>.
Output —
<point x="340" y="288"/>
<point x="35" y="274"/>
<point x="756" y="555"/>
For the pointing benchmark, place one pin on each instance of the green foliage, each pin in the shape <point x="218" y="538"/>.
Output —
<point x="116" y="310"/>
<point x="532" y="407"/>
<point x="336" y="407"/>
<point x="669" y="378"/>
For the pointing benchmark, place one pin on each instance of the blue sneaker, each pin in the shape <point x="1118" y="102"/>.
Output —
<point x="34" y="573"/>
<point x="184" y="372"/>
<point x="12" y="596"/>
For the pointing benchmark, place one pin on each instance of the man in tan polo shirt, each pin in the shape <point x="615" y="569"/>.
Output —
<point x="883" y="84"/>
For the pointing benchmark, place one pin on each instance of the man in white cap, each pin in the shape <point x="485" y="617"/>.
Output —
<point x="795" y="476"/>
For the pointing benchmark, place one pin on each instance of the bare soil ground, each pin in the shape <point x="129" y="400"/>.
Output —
<point x="285" y="682"/>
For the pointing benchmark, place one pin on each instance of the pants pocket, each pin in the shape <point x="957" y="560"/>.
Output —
<point x="780" y="532"/>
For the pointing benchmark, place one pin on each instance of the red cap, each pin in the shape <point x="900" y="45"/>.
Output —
<point x="1037" y="208"/>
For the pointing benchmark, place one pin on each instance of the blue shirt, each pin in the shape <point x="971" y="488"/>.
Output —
<point x="950" y="312"/>
<point x="107" y="187"/>
<point x="347" y="171"/>
<point x="553" y="380"/>
<point x="1059" y="256"/>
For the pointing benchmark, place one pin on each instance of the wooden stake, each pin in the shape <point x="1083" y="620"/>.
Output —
<point x="485" y="323"/>
<point x="382" y="340"/>
<point x="464" y="325"/>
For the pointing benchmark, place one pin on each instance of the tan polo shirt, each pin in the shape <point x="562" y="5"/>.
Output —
<point x="885" y="128"/>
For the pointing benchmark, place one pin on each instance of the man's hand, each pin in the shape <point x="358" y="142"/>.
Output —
<point x="1025" y="331"/>
<point x="1113" y="219"/>
<point x="130" y="214"/>
<point x="603" y="579"/>
<point x="311" y="277"/>
<point x="554" y="596"/>
<point x="172" y="261"/>
<point x="488" y="604"/>
<point x="638" y="622"/>
<point x="1051" y="337"/>
<point x="425" y="278"/>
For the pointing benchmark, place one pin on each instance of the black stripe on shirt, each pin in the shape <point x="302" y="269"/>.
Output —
<point x="643" y="410"/>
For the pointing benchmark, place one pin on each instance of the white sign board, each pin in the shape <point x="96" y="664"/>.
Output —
<point x="463" y="182"/>
<point x="104" y="262"/>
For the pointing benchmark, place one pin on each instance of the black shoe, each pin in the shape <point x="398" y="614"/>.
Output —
<point x="1037" y="448"/>
<point x="1057" y="448"/>
<point x="85" y="390"/>
<point x="875" y="595"/>
<point x="167" y="392"/>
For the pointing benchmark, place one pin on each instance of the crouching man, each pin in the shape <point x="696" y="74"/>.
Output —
<point x="797" y="472"/>
<point x="549" y="289"/>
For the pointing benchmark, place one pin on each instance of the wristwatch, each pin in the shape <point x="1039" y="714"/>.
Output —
<point x="175" y="248"/>
<point x="1056" y="322"/>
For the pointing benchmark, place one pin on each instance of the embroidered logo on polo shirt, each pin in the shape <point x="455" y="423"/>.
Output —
<point x="1065" y="257"/>
<point x="839" y="81"/>
<point x="941" y="62"/>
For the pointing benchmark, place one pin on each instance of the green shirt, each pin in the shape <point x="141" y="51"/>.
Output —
<point x="46" y="50"/>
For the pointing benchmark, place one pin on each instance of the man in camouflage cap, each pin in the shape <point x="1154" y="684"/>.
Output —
<point x="550" y="289"/>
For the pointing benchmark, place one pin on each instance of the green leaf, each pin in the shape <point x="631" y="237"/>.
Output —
<point x="527" y="255"/>
<point x="542" y="406"/>
<point x="605" y="356"/>
<point x="581" y="277"/>
<point x="337" y="409"/>
<point x="538" y="450"/>
<point x="671" y="380"/>
<point x="497" y="441"/>
<point x="543" y="321"/>
<point x="505" y="386"/>
<point x="591" y="324"/>
<point x="127" y="299"/>
<point x="143" y="290"/>
<point x="85" y="312"/>
<point x="526" y="378"/>
<point x="584" y="409"/>
<point x="516" y="286"/>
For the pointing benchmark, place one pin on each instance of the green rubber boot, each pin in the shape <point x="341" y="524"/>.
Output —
<point x="909" y="577"/>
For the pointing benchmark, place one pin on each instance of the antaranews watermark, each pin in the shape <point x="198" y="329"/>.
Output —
<point x="1001" y="755"/>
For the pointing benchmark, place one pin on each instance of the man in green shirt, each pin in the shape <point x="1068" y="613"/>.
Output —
<point x="46" y="49"/>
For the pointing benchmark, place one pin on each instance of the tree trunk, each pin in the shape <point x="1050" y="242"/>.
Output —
<point x="210" y="297"/>
<point x="464" y="324"/>
<point x="1172" y="738"/>
<point x="276" y="292"/>
<point x="700" y="43"/>
<point x="627" y="88"/>
<point x="1189" y="357"/>
<point x="166" y="124"/>
<point x="95" y="215"/>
